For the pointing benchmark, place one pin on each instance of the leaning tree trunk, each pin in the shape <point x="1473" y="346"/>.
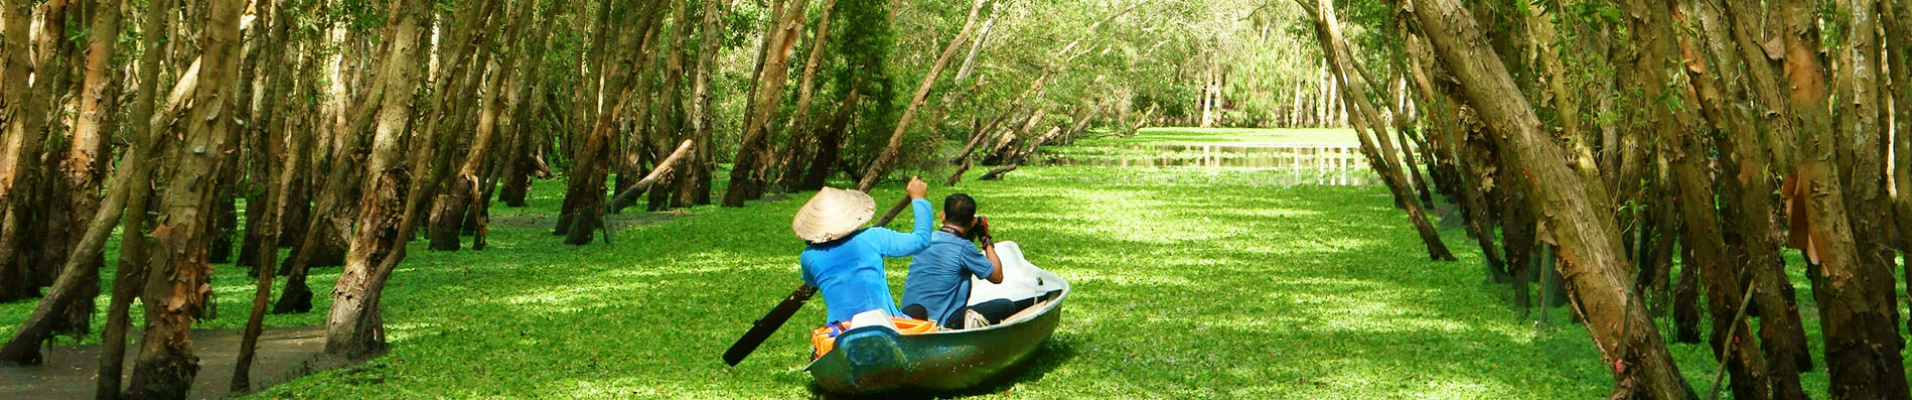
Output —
<point x="1367" y="122"/>
<point x="1616" y="317"/>
<point x="887" y="157"/>
<point x="352" y="326"/>
<point x="1450" y="135"/>
<point x="802" y="126"/>
<point x="962" y="160"/>
<point x="1682" y="130"/>
<point x="830" y="145"/>
<point x="1014" y="158"/>
<point x="584" y="198"/>
<point x="766" y="95"/>
<point x="664" y="168"/>
<point x="177" y="286"/>
<point x="448" y="219"/>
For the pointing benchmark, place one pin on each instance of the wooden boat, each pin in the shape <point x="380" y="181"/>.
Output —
<point x="874" y="359"/>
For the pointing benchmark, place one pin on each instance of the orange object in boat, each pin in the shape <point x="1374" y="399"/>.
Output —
<point x="824" y="338"/>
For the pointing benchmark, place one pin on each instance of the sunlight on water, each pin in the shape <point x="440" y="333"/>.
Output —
<point x="1315" y="164"/>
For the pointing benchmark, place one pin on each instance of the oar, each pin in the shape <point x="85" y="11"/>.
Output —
<point x="764" y="327"/>
<point x="768" y="325"/>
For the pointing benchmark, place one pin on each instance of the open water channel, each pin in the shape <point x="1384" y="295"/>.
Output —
<point x="1319" y="164"/>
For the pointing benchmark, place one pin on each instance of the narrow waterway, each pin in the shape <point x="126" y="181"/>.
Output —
<point x="1318" y="164"/>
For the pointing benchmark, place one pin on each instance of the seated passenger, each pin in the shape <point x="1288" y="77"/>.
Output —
<point x="844" y="261"/>
<point x="937" y="288"/>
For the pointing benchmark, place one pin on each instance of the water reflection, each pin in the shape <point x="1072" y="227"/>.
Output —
<point x="1322" y="164"/>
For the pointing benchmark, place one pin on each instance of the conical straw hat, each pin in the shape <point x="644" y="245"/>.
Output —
<point x="832" y="214"/>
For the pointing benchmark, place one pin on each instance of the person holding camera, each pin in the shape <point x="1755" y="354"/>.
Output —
<point x="938" y="286"/>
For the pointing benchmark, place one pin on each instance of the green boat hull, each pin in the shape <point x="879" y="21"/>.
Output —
<point x="876" y="359"/>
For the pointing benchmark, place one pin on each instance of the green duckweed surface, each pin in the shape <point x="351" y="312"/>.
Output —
<point x="1188" y="283"/>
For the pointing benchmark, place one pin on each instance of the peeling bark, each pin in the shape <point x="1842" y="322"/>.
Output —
<point x="1616" y="317"/>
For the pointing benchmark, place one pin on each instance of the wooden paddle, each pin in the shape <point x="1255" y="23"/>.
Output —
<point x="764" y="327"/>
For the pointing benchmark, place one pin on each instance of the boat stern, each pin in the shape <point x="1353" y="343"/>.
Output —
<point x="866" y="360"/>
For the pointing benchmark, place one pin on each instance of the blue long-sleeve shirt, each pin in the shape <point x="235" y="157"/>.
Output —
<point x="849" y="272"/>
<point x="939" y="276"/>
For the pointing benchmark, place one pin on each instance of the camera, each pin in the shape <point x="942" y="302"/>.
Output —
<point x="980" y="231"/>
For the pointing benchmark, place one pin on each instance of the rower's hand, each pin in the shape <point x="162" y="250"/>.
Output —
<point x="917" y="188"/>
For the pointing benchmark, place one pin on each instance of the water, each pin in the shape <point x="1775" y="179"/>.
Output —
<point x="1322" y="164"/>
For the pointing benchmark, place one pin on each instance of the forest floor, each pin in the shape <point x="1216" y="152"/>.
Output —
<point x="1187" y="283"/>
<point x="71" y="371"/>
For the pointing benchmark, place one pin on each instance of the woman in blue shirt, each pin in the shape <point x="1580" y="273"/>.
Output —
<point x="843" y="260"/>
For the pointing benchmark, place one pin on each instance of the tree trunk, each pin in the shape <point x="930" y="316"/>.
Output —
<point x="1469" y="172"/>
<point x="20" y="146"/>
<point x="1747" y="194"/>
<point x="131" y="269"/>
<point x="1688" y="136"/>
<point x="332" y="215"/>
<point x="448" y="219"/>
<point x="80" y="271"/>
<point x="1861" y="341"/>
<point x="1367" y="118"/>
<point x="1680" y="297"/>
<point x="1401" y="130"/>
<point x="264" y="149"/>
<point x="45" y="249"/>
<point x="1860" y="154"/>
<point x="672" y="112"/>
<point x="584" y="198"/>
<point x="887" y="158"/>
<point x="664" y="168"/>
<point x="696" y="189"/>
<point x="276" y="189"/>
<point x="179" y="281"/>
<point x="353" y="328"/>
<point x="801" y="126"/>
<point x="519" y="160"/>
<point x="962" y="159"/>
<point x="766" y="94"/>
<point x="1898" y="33"/>
<point x="462" y="68"/>
<point x="1014" y="159"/>
<point x="830" y="146"/>
<point x="1616" y="318"/>
<point x="82" y="167"/>
<point x="323" y="242"/>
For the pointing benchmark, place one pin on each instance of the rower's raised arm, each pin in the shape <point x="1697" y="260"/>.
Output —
<point x="897" y="244"/>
